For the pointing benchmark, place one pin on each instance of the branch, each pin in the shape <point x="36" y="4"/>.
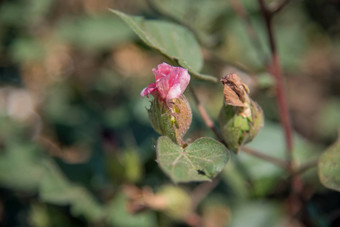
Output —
<point x="295" y="203"/>
<point x="278" y="162"/>
<point x="306" y="166"/>
<point x="202" y="190"/>
<point x="276" y="72"/>
<point x="208" y="122"/>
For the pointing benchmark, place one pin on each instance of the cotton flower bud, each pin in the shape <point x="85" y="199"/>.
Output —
<point x="172" y="119"/>
<point x="169" y="113"/>
<point x="240" y="117"/>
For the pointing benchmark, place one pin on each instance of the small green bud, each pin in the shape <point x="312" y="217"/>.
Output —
<point x="240" y="117"/>
<point x="171" y="119"/>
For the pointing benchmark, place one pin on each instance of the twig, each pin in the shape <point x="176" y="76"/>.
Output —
<point x="275" y="70"/>
<point x="202" y="190"/>
<point x="306" y="166"/>
<point x="240" y="10"/>
<point x="273" y="160"/>
<point x="296" y="183"/>
<point x="208" y="122"/>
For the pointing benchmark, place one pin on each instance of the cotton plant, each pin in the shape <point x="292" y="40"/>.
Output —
<point x="170" y="116"/>
<point x="240" y="118"/>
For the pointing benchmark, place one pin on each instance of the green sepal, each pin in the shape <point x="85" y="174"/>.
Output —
<point x="171" y="119"/>
<point x="237" y="129"/>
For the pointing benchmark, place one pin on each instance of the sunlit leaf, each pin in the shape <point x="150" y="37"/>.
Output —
<point x="202" y="16"/>
<point x="172" y="40"/>
<point x="329" y="167"/>
<point x="200" y="161"/>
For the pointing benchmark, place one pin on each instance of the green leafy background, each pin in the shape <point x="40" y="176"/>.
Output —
<point x="74" y="131"/>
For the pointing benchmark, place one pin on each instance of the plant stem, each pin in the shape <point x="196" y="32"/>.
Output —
<point x="274" y="67"/>
<point x="306" y="166"/>
<point x="202" y="190"/>
<point x="205" y="116"/>
<point x="296" y="184"/>
<point x="278" y="162"/>
<point x="276" y="72"/>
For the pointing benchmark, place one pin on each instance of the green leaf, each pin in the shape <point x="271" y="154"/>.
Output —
<point x="25" y="49"/>
<point x="93" y="33"/>
<point x="172" y="40"/>
<point x="42" y="215"/>
<point x="329" y="167"/>
<point x="261" y="214"/>
<point x="56" y="189"/>
<point x="201" y="16"/>
<point x="20" y="167"/>
<point x="117" y="214"/>
<point x="200" y="161"/>
<point x="328" y="121"/>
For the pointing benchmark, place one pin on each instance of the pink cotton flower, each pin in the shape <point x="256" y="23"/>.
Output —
<point x="170" y="82"/>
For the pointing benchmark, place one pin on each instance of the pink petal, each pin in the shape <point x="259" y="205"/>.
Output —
<point x="148" y="90"/>
<point x="178" y="83"/>
<point x="162" y="70"/>
<point x="174" y="92"/>
<point x="163" y="87"/>
<point x="170" y="82"/>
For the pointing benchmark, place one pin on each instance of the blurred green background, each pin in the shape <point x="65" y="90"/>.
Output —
<point x="74" y="131"/>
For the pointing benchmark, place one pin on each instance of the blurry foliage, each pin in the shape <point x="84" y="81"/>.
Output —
<point x="96" y="33"/>
<point x="74" y="130"/>
<point x="329" y="166"/>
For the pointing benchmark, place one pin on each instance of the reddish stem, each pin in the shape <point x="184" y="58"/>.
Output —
<point x="202" y="190"/>
<point x="295" y="202"/>
<point x="205" y="116"/>
<point x="275" y="70"/>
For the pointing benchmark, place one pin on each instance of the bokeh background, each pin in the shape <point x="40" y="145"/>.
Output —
<point x="74" y="131"/>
